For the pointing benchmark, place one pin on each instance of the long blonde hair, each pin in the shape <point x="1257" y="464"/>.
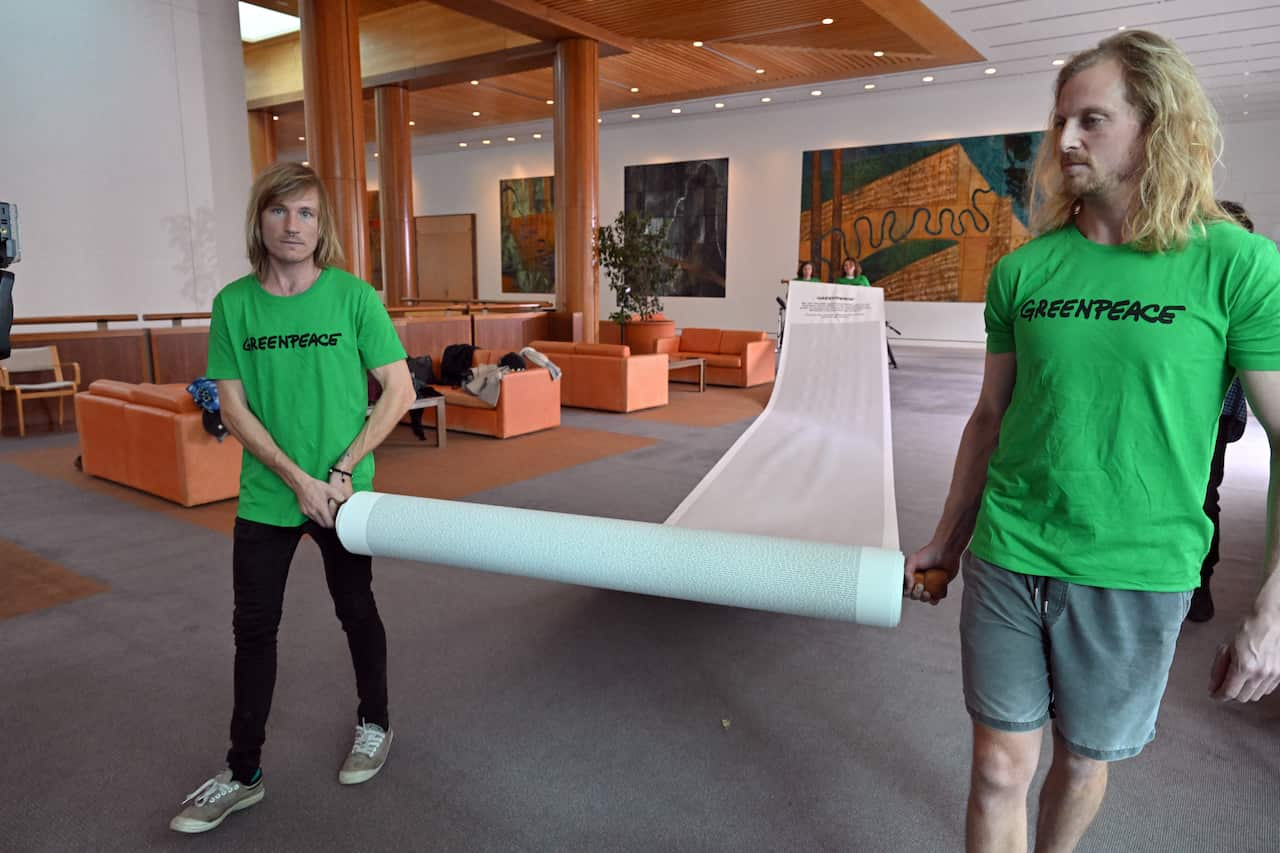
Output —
<point x="1181" y="144"/>
<point x="280" y="182"/>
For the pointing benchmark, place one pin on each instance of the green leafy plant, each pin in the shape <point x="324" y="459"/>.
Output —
<point x="639" y="272"/>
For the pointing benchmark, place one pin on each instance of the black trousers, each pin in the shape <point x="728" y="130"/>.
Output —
<point x="261" y="554"/>
<point x="1212" y="508"/>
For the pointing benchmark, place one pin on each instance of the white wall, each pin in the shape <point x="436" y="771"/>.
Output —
<point x="764" y="146"/>
<point x="125" y="146"/>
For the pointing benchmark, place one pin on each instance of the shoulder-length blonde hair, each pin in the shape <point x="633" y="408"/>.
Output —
<point x="1181" y="144"/>
<point x="281" y="182"/>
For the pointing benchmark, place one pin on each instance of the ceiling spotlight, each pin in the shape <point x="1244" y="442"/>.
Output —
<point x="868" y="86"/>
<point x="277" y="118"/>
<point x="1059" y="62"/>
<point x="1246" y="73"/>
<point x="1246" y="112"/>
<point x="476" y="113"/>
<point x="635" y="89"/>
<point x="486" y="142"/>
<point x="375" y="154"/>
<point x="462" y="145"/>
<point x="676" y="110"/>
<point x="635" y="115"/>
<point x="511" y="139"/>
<point x="475" y="82"/>
<point x="989" y="71"/>
<point x="413" y="124"/>
<point x="1245" y="95"/>
<point x="306" y="162"/>
<point x="697" y="44"/>
<point x="878" y="53"/>
<point x="766" y="99"/>
<point x="537" y="136"/>
<point x="816" y="92"/>
<point x="599" y="121"/>
<point x="302" y="139"/>
<point x="719" y="106"/>
<point x="828" y="20"/>
<point x="1122" y="27"/>
<point x="928" y="78"/>
<point x="550" y="102"/>
<point x="759" y="70"/>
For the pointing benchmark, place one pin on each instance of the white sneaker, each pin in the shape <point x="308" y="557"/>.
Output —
<point x="214" y="800"/>
<point x="368" y="754"/>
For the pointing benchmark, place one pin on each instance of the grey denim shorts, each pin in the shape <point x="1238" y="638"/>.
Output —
<point x="1095" y="660"/>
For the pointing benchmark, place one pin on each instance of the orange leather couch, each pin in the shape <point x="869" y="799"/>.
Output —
<point x="529" y="401"/>
<point x="737" y="358"/>
<point x="152" y="438"/>
<point x="607" y="376"/>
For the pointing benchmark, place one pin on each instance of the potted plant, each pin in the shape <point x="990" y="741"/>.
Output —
<point x="639" y="276"/>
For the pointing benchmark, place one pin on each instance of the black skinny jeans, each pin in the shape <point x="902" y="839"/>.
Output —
<point x="261" y="555"/>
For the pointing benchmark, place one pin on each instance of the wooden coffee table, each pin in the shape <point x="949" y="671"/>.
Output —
<point x="436" y="403"/>
<point x="700" y="363"/>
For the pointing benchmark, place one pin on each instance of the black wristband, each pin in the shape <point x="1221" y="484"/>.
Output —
<point x="334" y="470"/>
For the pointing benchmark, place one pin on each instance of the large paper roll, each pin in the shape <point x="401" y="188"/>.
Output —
<point x="856" y="584"/>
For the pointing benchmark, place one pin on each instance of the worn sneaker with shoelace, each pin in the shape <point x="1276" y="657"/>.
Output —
<point x="368" y="754"/>
<point x="214" y="800"/>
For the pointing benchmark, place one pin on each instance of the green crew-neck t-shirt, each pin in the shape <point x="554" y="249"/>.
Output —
<point x="1123" y="359"/>
<point x="860" y="280"/>
<point x="302" y="360"/>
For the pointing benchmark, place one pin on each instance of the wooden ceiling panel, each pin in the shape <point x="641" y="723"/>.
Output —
<point x="367" y="7"/>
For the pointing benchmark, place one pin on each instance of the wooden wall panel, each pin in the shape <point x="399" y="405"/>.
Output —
<point x="446" y="257"/>
<point x="179" y="355"/>
<point x="510" y="332"/>
<point x="430" y="335"/>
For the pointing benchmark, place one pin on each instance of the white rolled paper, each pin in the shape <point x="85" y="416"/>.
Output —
<point x="819" y="579"/>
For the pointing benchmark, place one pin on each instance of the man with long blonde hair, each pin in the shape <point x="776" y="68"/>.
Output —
<point x="1076" y="505"/>
<point x="289" y="346"/>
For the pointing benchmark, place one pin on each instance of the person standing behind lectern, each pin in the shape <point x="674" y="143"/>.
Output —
<point x="290" y="347"/>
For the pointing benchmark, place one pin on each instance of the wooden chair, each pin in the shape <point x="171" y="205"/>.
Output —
<point x="37" y="360"/>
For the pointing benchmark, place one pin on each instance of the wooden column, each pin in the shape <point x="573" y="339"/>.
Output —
<point x="262" y="140"/>
<point x="395" y="193"/>
<point x="335" y="118"/>
<point x="577" y="180"/>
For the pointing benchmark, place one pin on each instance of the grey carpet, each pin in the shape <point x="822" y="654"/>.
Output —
<point x="535" y="716"/>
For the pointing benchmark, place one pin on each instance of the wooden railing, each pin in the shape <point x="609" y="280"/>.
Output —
<point x="101" y="320"/>
<point x="176" y="319"/>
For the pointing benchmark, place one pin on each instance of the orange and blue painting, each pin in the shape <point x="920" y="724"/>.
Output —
<point x="527" y="223"/>
<point x="927" y="220"/>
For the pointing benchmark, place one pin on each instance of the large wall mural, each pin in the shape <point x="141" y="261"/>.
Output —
<point x="928" y="220"/>
<point x="687" y="203"/>
<point x="528" y="235"/>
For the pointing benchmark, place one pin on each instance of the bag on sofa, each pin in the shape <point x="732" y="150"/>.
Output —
<point x="513" y="361"/>
<point x="455" y="364"/>
<point x="420" y="370"/>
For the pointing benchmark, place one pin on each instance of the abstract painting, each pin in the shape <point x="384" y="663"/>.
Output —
<point x="687" y="204"/>
<point x="528" y="225"/>
<point x="927" y="220"/>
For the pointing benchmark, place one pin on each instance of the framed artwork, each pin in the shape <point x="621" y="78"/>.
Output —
<point x="688" y="204"/>
<point x="527" y="221"/>
<point x="927" y="220"/>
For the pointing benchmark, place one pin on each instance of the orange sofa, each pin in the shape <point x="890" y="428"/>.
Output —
<point x="529" y="401"/>
<point x="737" y="358"/>
<point x="607" y="376"/>
<point x="152" y="438"/>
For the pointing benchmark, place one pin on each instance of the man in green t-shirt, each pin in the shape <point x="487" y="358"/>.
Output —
<point x="853" y="274"/>
<point x="1081" y="475"/>
<point x="290" y="346"/>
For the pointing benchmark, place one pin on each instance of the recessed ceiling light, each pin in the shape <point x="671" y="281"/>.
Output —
<point x="550" y="101"/>
<point x="989" y="71"/>
<point x="828" y="20"/>
<point x="766" y="99"/>
<point x="1059" y="62"/>
<point x="759" y="70"/>
<point x="928" y="78"/>
<point x="302" y="139"/>
<point x="719" y="106"/>
<point x="1246" y="73"/>
<point x="599" y="121"/>
<point x="868" y="86"/>
<point x="676" y="110"/>
<point x="306" y="162"/>
<point x="486" y="141"/>
<point x="1121" y="27"/>
<point x="375" y="154"/>
<point x="462" y="145"/>
<point x="1245" y="95"/>
<point x="1246" y="112"/>
<point x="697" y="44"/>
<point x="413" y="124"/>
<point x="635" y="115"/>
<point x="476" y="113"/>
<point x="475" y="82"/>
<point x="511" y="139"/>
<point x="635" y="89"/>
<point x="816" y="92"/>
<point x="537" y="136"/>
<point x="878" y="53"/>
<point x="277" y="118"/>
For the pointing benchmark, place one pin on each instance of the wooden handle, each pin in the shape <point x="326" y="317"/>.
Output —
<point x="935" y="582"/>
